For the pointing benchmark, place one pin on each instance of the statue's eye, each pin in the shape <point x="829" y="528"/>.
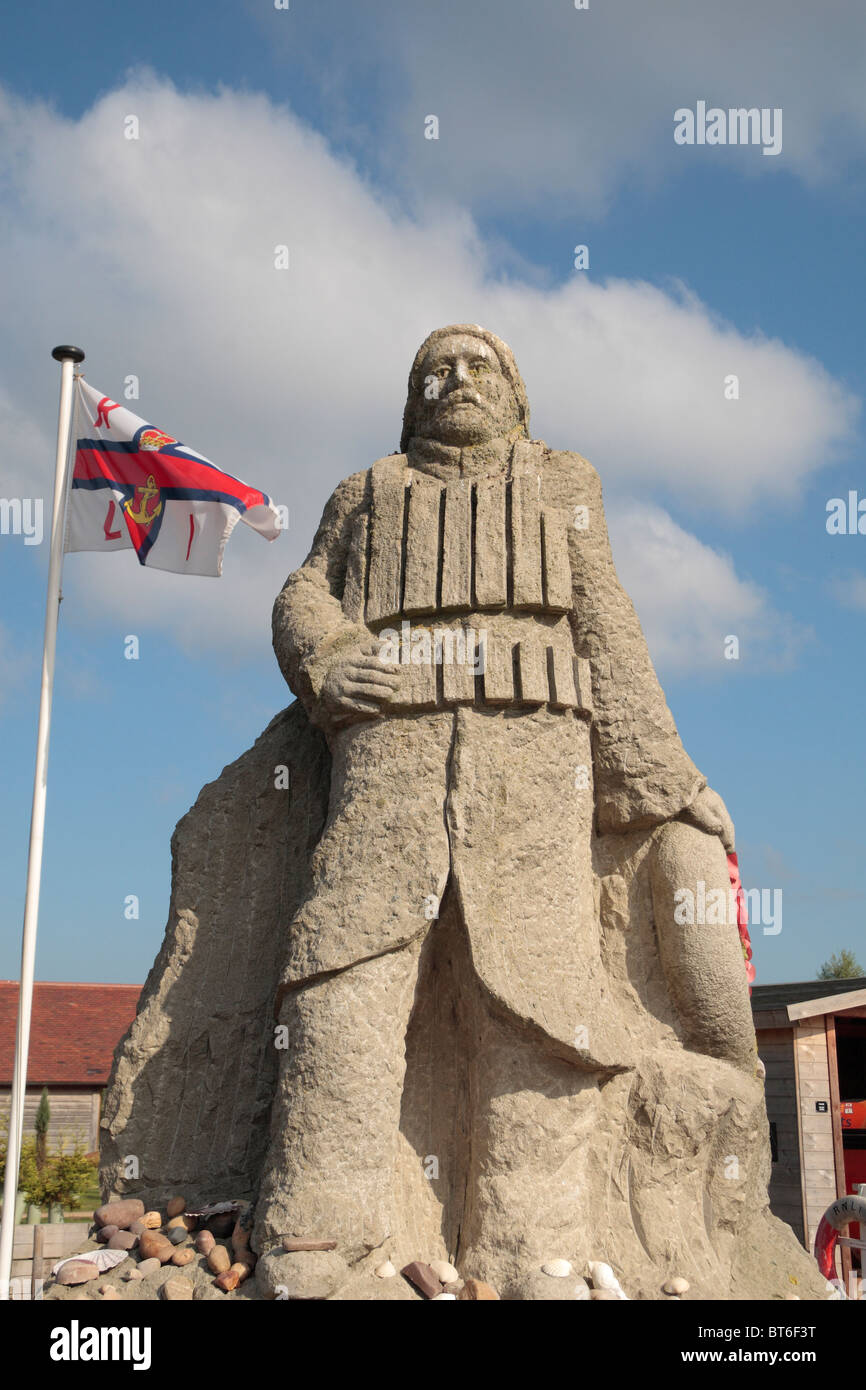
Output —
<point x="443" y="372"/>
<point x="478" y="367"/>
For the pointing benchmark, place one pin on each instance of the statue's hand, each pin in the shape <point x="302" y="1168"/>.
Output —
<point x="358" y="684"/>
<point x="709" y="812"/>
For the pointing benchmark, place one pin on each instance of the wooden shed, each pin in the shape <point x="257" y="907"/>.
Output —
<point x="812" y="1041"/>
<point x="75" y="1029"/>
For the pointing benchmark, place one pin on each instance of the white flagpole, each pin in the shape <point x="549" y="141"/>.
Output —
<point x="67" y="357"/>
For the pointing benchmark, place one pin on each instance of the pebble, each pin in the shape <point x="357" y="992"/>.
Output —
<point x="138" y="1228"/>
<point x="176" y="1223"/>
<point x="133" y="1273"/>
<point x="423" y="1278"/>
<point x="152" y="1244"/>
<point x="177" y="1290"/>
<point x="183" y="1257"/>
<point x="119" y="1214"/>
<point x="676" y="1285"/>
<point x="475" y="1290"/>
<point x="147" y="1267"/>
<point x="123" y="1240"/>
<point x="242" y="1268"/>
<point x="557" y="1269"/>
<point x="178" y="1235"/>
<point x="227" y="1280"/>
<point x="241" y="1237"/>
<point x="438" y="1297"/>
<point x="175" y="1206"/>
<point x="219" y="1260"/>
<point x="204" y="1242"/>
<point x="603" y="1277"/>
<point x="292" y="1244"/>
<point x="77" y="1272"/>
<point x="385" y="1271"/>
<point x="104" y="1234"/>
<point x="152" y="1220"/>
<point x="444" y="1271"/>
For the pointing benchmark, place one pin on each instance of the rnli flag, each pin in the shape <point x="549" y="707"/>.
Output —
<point x="134" y="487"/>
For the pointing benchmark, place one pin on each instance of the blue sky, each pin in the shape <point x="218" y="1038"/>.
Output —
<point x="305" y="127"/>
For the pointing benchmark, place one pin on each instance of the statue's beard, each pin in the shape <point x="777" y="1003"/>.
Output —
<point x="467" y="420"/>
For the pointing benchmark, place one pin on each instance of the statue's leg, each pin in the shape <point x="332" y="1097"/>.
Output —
<point x="347" y="996"/>
<point x="330" y="1168"/>
<point x="699" y="943"/>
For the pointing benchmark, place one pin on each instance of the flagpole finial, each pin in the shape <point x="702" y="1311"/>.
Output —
<point x="64" y="352"/>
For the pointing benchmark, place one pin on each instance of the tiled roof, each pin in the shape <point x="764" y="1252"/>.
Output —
<point x="75" y="1029"/>
<point x="777" y="996"/>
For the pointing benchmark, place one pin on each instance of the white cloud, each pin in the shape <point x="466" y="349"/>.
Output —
<point x="156" y="256"/>
<point x="545" y="107"/>
<point x="689" y="599"/>
<point x="850" y="590"/>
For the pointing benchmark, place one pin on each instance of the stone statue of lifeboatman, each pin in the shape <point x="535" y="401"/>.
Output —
<point x="470" y="801"/>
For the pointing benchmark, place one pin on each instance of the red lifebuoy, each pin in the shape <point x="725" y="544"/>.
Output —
<point x="835" y="1219"/>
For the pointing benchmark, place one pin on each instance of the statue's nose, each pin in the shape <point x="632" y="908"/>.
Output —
<point x="461" y="371"/>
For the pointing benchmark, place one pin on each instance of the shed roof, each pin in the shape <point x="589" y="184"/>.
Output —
<point x="74" y="1031"/>
<point x="779" y="996"/>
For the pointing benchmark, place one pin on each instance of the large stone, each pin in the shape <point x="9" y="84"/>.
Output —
<point x="77" y="1272"/>
<point x="120" y="1213"/>
<point x="154" y="1245"/>
<point x="177" y="1290"/>
<point x="123" y="1240"/>
<point x="240" y="862"/>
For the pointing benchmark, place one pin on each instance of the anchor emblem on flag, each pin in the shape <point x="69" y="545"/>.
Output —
<point x="145" y="493"/>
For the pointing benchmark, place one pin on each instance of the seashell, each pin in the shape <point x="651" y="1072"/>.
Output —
<point x="603" y="1277"/>
<point x="557" y="1269"/>
<point x="445" y="1271"/>
<point x="385" y="1271"/>
<point x="676" y="1285"/>
<point x="604" y="1296"/>
<point x="103" y="1259"/>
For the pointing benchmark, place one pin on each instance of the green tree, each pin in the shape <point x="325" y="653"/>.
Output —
<point x="40" y="1124"/>
<point x="843" y="965"/>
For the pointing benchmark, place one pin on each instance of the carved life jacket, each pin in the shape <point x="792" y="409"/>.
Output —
<point x="481" y="557"/>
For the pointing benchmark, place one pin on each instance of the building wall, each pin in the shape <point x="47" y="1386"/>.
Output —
<point x="816" y="1128"/>
<point x="74" y="1114"/>
<point x="776" y="1050"/>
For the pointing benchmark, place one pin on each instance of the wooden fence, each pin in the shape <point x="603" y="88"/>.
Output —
<point x="49" y="1244"/>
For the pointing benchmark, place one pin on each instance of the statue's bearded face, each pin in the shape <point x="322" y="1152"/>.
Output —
<point x="463" y="397"/>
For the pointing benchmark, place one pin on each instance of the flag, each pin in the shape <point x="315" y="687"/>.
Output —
<point x="134" y="487"/>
